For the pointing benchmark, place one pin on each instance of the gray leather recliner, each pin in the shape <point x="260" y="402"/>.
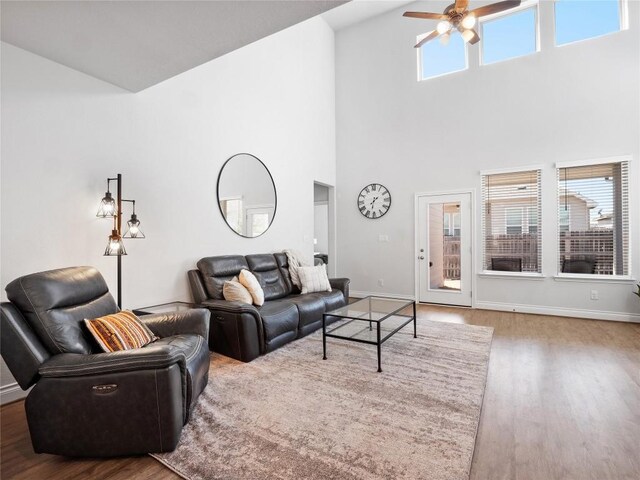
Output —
<point x="86" y="403"/>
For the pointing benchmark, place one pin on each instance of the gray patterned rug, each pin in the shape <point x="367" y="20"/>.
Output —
<point x="291" y="415"/>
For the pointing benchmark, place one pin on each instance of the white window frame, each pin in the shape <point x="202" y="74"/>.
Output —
<point x="526" y="5"/>
<point x="419" y="60"/>
<point x="523" y="275"/>
<point x="580" y="277"/>
<point x="623" y="9"/>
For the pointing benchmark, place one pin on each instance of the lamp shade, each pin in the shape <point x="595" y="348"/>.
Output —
<point x="107" y="206"/>
<point x="115" y="247"/>
<point x="134" y="228"/>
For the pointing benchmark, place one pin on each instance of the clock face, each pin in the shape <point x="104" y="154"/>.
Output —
<point x="374" y="201"/>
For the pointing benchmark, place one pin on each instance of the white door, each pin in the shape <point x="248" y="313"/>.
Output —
<point x="444" y="249"/>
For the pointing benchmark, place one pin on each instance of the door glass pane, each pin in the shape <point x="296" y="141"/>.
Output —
<point x="444" y="246"/>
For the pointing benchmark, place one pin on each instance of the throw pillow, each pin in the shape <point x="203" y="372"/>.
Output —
<point x="234" y="291"/>
<point x="252" y="284"/>
<point x="314" y="279"/>
<point x="120" y="331"/>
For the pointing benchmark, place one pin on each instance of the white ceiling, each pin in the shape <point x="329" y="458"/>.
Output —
<point x="359" y="10"/>
<point x="136" y="44"/>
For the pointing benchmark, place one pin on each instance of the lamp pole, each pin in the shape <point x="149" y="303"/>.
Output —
<point x="119" y="227"/>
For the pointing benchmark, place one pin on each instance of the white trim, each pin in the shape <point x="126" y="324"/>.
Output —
<point x="11" y="392"/>
<point x="583" y="277"/>
<point x="498" y="171"/>
<point x="523" y="6"/>
<point x="560" y="312"/>
<point x="362" y="294"/>
<point x="594" y="161"/>
<point x="503" y="274"/>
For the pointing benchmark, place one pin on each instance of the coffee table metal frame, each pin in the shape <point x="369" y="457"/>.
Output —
<point x="363" y="318"/>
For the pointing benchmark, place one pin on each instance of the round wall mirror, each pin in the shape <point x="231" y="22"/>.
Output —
<point x="246" y="195"/>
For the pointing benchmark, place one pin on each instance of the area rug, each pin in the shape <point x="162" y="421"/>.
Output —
<point x="291" y="415"/>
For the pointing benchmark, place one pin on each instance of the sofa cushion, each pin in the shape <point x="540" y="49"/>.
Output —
<point x="283" y="266"/>
<point x="332" y="300"/>
<point x="266" y="270"/>
<point x="278" y="317"/>
<point x="310" y="309"/>
<point x="55" y="304"/>
<point x="217" y="270"/>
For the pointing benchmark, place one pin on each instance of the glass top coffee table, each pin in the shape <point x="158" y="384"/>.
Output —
<point x="371" y="320"/>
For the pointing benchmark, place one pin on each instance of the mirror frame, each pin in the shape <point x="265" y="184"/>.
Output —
<point x="275" y="194"/>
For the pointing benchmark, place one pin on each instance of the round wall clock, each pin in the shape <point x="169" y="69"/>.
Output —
<point x="374" y="200"/>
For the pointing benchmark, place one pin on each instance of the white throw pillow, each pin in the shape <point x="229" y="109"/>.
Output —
<point x="234" y="291"/>
<point x="314" y="279"/>
<point x="252" y="284"/>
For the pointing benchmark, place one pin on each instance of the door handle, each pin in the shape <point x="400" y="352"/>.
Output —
<point x="431" y="264"/>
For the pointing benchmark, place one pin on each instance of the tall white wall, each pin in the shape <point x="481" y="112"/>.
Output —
<point x="579" y="101"/>
<point x="64" y="133"/>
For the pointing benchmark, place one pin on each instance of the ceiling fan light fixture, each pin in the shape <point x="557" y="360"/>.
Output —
<point x="467" y="35"/>
<point x="469" y="21"/>
<point x="443" y="27"/>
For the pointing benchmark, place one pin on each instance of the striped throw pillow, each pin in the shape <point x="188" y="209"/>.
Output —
<point x="120" y="331"/>
<point x="314" y="279"/>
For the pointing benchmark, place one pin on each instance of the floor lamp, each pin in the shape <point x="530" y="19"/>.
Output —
<point x="112" y="208"/>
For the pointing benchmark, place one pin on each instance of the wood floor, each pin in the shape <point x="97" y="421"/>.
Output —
<point x="562" y="402"/>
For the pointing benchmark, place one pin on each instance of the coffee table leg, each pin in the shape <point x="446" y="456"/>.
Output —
<point x="324" y="338"/>
<point x="379" y="350"/>
<point x="415" y="334"/>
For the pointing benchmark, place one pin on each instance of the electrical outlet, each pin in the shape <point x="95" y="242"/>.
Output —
<point x="594" y="294"/>
<point x="381" y="282"/>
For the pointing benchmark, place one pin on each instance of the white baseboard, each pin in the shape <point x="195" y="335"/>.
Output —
<point x="11" y="392"/>
<point x="559" y="311"/>
<point x="360" y="294"/>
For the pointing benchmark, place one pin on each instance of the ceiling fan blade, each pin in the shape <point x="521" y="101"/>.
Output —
<point x="427" y="15"/>
<point x="476" y="37"/>
<point x="461" y="4"/>
<point x="430" y="36"/>
<point x="495" y="8"/>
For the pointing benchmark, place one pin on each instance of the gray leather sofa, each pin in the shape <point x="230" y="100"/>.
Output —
<point x="243" y="331"/>
<point x="85" y="403"/>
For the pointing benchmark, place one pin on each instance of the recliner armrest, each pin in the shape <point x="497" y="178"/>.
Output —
<point x="341" y="284"/>
<point x="230" y="307"/>
<point x="76" y="364"/>
<point x="195" y="320"/>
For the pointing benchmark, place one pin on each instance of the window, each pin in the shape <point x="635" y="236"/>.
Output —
<point x="593" y="218"/>
<point x="510" y="221"/>
<point x="514" y="221"/>
<point x="437" y="59"/>
<point x="509" y="36"/>
<point x="532" y="220"/>
<point x="581" y="19"/>
<point x="564" y="218"/>
<point x="451" y="224"/>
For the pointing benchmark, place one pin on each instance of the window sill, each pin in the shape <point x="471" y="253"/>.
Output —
<point x="581" y="277"/>
<point x="520" y="275"/>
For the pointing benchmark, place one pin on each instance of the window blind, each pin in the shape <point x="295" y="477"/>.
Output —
<point x="593" y="219"/>
<point x="511" y="221"/>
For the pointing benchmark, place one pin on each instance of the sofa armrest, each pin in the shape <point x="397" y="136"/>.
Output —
<point x="195" y="320"/>
<point x="341" y="284"/>
<point x="76" y="364"/>
<point x="230" y="307"/>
